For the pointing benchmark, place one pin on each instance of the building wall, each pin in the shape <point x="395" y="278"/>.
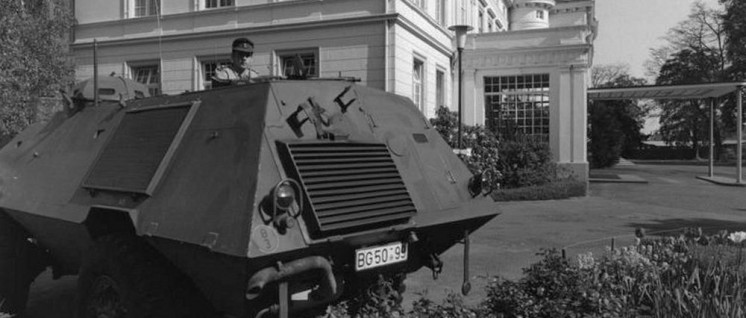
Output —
<point x="417" y="35"/>
<point x="374" y="40"/>
<point x="180" y="41"/>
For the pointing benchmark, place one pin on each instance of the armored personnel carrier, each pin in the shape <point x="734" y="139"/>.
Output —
<point x="265" y="199"/>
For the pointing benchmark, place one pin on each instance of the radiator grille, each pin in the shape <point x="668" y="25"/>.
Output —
<point x="351" y="186"/>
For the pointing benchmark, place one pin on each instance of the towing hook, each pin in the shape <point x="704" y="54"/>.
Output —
<point x="435" y="264"/>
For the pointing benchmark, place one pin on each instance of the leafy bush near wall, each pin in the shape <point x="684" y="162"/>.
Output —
<point x="483" y="143"/>
<point x="525" y="163"/>
<point x="520" y="162"/>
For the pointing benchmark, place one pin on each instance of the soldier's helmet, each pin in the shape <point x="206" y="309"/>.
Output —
<point x="243" y="45"/>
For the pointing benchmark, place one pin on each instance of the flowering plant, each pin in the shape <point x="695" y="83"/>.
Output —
<point x="737" y="237"/>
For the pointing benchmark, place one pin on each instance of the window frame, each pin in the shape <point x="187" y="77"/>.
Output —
<point x="418" y="84"/>
<point x="217" y="4"/>
<point x="540" y="14"/>
<point x="440" y="11"/>
<point x="519" y="102"/>
<point x="440" y="87"/>
<point x="491" y="18"/>
<point x="154" y="88"/>
<point x="281" y="55"/>
<point x="132" y="9"/>
<point x="204" y="82"/>
<point x="480" y="20"/>
<point x="498" y="25"/>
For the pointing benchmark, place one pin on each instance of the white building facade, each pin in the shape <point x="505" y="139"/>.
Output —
<point x="401" y="46"/>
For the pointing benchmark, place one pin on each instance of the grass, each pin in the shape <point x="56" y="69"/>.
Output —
<point x="551" y="191"/>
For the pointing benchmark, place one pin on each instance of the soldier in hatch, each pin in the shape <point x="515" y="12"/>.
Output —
<point x="240" y="67"/>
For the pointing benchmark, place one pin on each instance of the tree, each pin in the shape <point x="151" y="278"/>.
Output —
<point x="615" y="125"/>
<point x="686" y="122"/>
<point x="605" y="75"/>
<point x="703" y="30"/>
<point x="33" y="36"/>
<point x="734" y="28"/>
<point x="695" y="54"/>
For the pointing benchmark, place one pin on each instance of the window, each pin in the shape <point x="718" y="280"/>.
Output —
<point x="481" y="21"/>
<point x="540" y="14"/>
<point x="417" y="84"/>
<point x="149" y="75"/>
<point x="310" y="59"/>
<point x="440" y="11"/>
<point x="490" y="21"/>
<point x="518" y="105"/>
<point x="440" y="92"/>
<point x="144" y="8"/>
<point x="218" y="3"/>
<point x="208" y="71"/>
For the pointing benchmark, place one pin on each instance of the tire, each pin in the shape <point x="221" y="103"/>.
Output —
<point x="20" y="262"/>
<point x="123" y="276"/>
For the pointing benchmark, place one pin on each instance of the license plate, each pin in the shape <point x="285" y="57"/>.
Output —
<point x="371" y="257"/>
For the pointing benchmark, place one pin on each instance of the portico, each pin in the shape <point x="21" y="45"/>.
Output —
<point x="536" y="79"/>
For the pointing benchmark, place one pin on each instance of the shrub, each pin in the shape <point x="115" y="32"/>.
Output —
<point x="520" y="162"/>
<point x="551" y="288"/>
<point x="452" y="307"/>
<point x="382" y="299"/>
<point x="372" y="298"/>
<point x="482" y="142"/>
<point x="526" y="163"/>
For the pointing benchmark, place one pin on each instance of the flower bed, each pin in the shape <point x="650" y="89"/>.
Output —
<point x="689" y="275"/>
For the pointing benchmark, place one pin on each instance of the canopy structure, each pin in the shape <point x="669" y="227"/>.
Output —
<point x="691" y="91"/>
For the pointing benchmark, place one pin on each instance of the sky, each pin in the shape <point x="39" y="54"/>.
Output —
<point x="627" y="29"/>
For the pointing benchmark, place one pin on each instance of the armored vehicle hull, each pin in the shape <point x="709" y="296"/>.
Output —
<point x="237" y="198"/>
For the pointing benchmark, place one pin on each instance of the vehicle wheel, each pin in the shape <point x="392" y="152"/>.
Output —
<point x="20" y="262"/>
<point x="122" y="276"/>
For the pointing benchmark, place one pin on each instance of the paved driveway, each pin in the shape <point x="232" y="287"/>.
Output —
<point x="673" y="198"/>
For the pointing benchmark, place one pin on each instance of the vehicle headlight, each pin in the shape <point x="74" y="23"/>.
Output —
<point x="287" y="203"/>
<point x="284" y="195"/>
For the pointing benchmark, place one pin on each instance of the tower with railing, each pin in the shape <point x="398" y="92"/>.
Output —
<point x="530" y="14"/>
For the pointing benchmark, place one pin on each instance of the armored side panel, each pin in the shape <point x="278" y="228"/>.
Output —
<point x="41" y="171"/>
